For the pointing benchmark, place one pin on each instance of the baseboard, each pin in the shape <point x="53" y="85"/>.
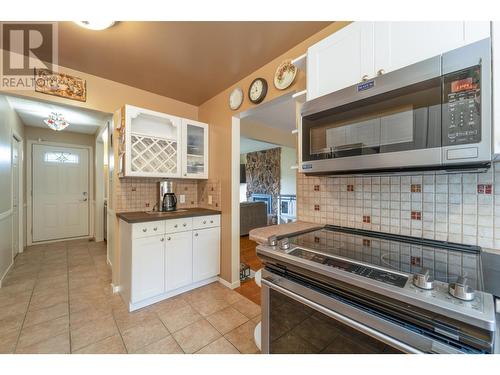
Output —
<point x="115" y="288"/>
<point x="234" y="285"/>
<point x="5" y="273"/>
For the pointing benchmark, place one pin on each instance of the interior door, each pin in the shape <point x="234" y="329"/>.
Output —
<point x="60" y="192"/>
<point x="15" y="197"/>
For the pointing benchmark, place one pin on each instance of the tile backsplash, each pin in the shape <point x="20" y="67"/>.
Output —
<point x="141" y="194"/>
<point x="456" y="207"/>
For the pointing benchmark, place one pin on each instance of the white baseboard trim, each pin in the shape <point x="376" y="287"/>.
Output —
<point x="115" y="288"/>
<point x="234" y="285"/>
<point x="5" y="273"/>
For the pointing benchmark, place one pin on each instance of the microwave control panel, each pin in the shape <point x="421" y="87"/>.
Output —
<point x="462" y="107"/>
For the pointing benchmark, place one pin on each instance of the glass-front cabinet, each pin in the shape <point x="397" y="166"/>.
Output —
<point x="194" y="149"/>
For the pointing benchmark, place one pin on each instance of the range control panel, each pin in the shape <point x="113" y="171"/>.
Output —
<point x="462" y="107"/>
<point x="371" y="273"/>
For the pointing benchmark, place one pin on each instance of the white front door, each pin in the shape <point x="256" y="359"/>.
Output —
<point x="60" y="192"/>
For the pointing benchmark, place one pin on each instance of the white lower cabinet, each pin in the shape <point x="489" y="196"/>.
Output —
<point x="178" y="260"/>
<point x="148" y="267"/>
<point x="206" y="249"/>
<point x="155" y="265"/>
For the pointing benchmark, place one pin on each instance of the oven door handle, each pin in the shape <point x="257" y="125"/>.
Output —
<point x="341" y="318"/>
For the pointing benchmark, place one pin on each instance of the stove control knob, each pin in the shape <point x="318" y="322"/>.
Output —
<point x="284" y="244"/>
<point x="423" y="280"/>
<point x="461" y="290"/>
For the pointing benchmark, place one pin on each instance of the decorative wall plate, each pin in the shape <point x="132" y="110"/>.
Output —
<point x="285" y="75"/>
<point x="236" y="98"/>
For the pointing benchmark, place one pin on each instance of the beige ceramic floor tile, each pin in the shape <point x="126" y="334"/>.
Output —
<point x="110" y="345"/>
<point x="54" y="345"/>
<point x="46" y="314"/>
<point x="42" y="331"/>
<point x="206" y="304"/>
<point x="219" y="346"/>
<point x="167" y="345"/>
<point x="8" y="340"/>
<point x="170" y="304"/>
<point x="243" y="338"/>
<point x="92" y="332"/>
<point x="126" y="320"/>
<point x="196" y="336"/>
<point x="248" y="308"/>
<point x="144" y="334"/>
<point x="227" y="319"/>
<point x="177" y="319"/>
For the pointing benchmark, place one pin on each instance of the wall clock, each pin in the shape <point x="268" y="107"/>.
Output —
<point x="257" y="90"/>
<point x="236" y="98"/>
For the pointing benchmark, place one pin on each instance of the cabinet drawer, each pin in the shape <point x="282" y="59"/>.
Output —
<point x="178" y="225"/>
<point x="150" y="228"/>
<point x="206" y="221"/>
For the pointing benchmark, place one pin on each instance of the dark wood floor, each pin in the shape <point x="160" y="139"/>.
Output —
<point x="248" y="255"/>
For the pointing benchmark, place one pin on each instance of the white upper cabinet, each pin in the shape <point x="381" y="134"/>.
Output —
<point x="155" y="144"/>
<point x="340" y="60"/>
<point x="194" y="149"/>
<point x="399" y="44"/>
<point x="363" y="50"/>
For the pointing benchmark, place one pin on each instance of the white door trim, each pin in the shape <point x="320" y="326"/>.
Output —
<point x="20" y="194"/>
<point x="29" y="185"/>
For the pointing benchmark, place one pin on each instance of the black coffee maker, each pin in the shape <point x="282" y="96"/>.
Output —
<point x="168" y="200"/>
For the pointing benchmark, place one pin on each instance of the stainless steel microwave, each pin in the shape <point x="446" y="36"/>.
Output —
<point x="435" y="114"/>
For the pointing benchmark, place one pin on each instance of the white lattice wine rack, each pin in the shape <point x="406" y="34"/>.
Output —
<point x="153" y="154"/>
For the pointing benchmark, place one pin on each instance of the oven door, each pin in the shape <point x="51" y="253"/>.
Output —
<point x="297" y="319"/>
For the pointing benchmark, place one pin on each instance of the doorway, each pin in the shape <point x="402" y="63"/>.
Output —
<point x="60" y="192"/>
<point x="17" y="196"/>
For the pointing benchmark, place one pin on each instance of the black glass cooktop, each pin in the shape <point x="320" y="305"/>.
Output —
<point x="445" y="261"/>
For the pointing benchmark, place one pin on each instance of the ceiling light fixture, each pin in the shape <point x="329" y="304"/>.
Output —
<point x="95" y="25"/>
<point x="56" y="121"/>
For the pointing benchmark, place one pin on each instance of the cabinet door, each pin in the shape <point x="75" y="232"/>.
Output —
<point x="178" y="260"/>
<point x="206" y="249"/>
<point x="148" y="267"/>
<point x="399" y="44"/>
<point x="194" y="149"/>
<point x="340" y="60"/>
<point x="153" y="147"/>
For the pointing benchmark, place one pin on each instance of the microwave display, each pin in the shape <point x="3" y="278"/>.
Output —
<point x="462" y="107"/>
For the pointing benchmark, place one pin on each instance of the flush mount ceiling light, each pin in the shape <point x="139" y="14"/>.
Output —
<point x="95" y="25"/>
<point x="56" y="121"/>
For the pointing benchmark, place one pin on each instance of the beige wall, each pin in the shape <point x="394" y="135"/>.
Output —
<point x="217" y="113"/>
<point x="9" y="122"/>
<point x="255" y="130"/>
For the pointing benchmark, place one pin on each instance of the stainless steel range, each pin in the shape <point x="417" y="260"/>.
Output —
<point x="340" y="290"/>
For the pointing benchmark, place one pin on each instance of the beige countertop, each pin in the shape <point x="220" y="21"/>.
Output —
<point x="260" y="235"/>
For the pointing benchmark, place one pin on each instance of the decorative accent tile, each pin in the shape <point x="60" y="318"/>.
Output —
<point x="316" y="207"/>
<point x="350" y="187"/>
<point x="366" y="242"/>
<point x="416" y="215"/>
<point x="416" y="188"/>
<point x="366" y="219"/>
<point x="316" y="187"/>
<point x="484" y="188"/>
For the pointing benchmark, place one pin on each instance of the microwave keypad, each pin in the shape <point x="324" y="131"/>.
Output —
<point x="461" y="107"/>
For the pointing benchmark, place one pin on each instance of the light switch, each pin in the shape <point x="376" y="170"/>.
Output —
<point x="209" y="199"/>
<point x="182" y="198"/>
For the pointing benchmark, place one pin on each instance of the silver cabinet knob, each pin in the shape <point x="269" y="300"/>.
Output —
<point x="155" y="229"/>
<point x="184" y="224"/>
<point x="380" y="72"/>
<point x="423" y="280"/>
<point x="365" y="78"/>
<point x="196" y="234"/>
<point x="169" y="238"/>
<point x="144" y="230"/>
<point x="162" y="239"/>
<point x="204" y="221"/>
<point x="461" y="290"/>
<point x="175" y="226"/>
<point x="211" y="221"/>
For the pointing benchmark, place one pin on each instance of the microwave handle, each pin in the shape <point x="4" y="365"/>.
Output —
<point x="343" y="319"/>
